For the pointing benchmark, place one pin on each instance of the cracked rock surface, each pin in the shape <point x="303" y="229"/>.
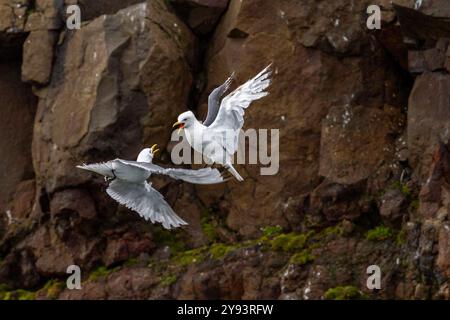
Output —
<point x="364" y="172"/>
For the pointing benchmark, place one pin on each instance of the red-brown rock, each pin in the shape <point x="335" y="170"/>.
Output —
<point x="17" y="111"/>
<point x="428" y="119"/>
<point x="200" y="15"/>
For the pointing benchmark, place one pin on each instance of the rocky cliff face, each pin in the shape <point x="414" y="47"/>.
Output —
<point x="364" y="119"/>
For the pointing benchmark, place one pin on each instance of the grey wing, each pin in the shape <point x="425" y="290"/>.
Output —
<point x="146" y="201"/>
<point x="124" y="170"/>
<point x="118" y="169"/>
<point x="214" y="101"/>
<point x="200" y="176"/>
<point x="231" y="111"/>
<point x="104" y="168"/>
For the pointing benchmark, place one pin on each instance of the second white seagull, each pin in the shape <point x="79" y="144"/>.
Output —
<point x="128" y="185"/>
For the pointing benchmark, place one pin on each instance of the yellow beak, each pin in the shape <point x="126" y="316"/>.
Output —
<point x="178" y="123"/>
<point x="154" y="149"/>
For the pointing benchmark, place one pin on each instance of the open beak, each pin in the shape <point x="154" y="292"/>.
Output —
<point x="179" y="124"/>
<point x="154" y="149"/>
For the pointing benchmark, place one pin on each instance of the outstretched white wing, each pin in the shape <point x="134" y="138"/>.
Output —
<point x="231" y="113"/>
<point x="140" y="171"/>
<point x="118" y="169"/>
<point x="104" y="168"/>
<point x="146" y="201"/>
<point x="200" y="176"/>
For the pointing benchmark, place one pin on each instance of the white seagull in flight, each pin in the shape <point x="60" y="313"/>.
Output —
<point x="217" y="137"/>
<point x="128" y="185"/>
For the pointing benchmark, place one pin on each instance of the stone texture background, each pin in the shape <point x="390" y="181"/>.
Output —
<point x="364" y="118"/>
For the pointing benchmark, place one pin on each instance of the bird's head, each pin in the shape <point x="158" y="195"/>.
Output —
<point x="185" y="120"/>
<point x="147" y="154"/>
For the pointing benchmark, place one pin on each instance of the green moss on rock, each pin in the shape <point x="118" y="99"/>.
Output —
<point x="344" y="293"/>
<point x="168" y="280"/>
<point x="302" y="258"/>
<point x="380" y="233"/>
<point x="208" y="228"/>
<point x="220" y="250"/>
<point x="53" y="288"/>
<point x="101" y="272"/>
<point x="19" y="294"/>
<point x="25" y="295"/>
<point x="5" y="295"/>
<point x="188" y="257"/>
<point x="404" y="189"/>
<point x="271" y="231"/>
<point x="281" y="242"/>
<point x="290" y="242"/>
<point x="333" y="230"/>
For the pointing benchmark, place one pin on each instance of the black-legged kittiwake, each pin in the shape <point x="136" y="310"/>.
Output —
<point x="217" y="137"/>
<point x="128" y="185"/>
